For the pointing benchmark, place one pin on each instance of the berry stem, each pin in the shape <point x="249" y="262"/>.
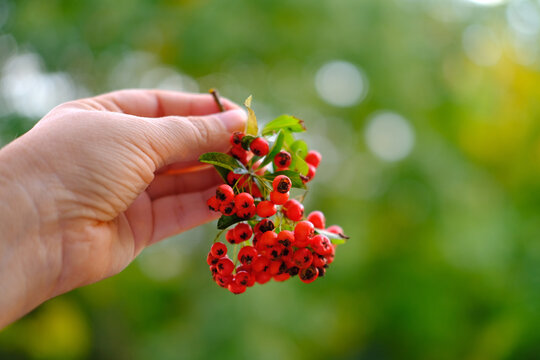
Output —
<point x="215" y="94"/>
<point x="218" y="235"/>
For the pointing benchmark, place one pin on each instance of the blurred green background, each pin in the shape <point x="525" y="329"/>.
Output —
<point x="427" y="114"/>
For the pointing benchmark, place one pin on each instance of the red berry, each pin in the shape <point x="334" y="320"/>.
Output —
<point x="317" y="219"/>
<point x="279" y="198"/>
<point x="303" y="231"/>
<point x="243" y="201"/>
<point x="218" y="249"/>
<point x="285" y="238"/>
<point x="311" y="173"/>
<point x="236" y="288"/>
<point x="282" y="277"/>
<point x="213" y="203"/>
<point x="242" y="278"/>
<point x="260" y="264"/>
<point x="230" y="237"/>
<point x="242" y="232"/>
<point x="262" y="277"/>
<point x="274" y="267"/>
<point x="240" y="154"/>
<point x="282" y="160"/>
<point x="259" y="146"/>
<point x="318" y="261"/>
<point x="308" y="274"/>
<point x="227" y="208"/>
<point x="236" y="139"/>
<point x="266" y="209"/>
<point x="264" y="225"/>
<point x="211" y="259"/>
<point x="282" y="184"/>
<point x="313" y="157"/>
<point x="232" y="178"/>
<point x="301" y="258"/>
<point x="224" y="280"/>
<point x="293" y="210"/>
<point x="225" y="266"/>
<point x="268" y="239"/>
<point x="252" y="189"/>
<point x="321" y="245"/>
<point x="225" y="193"/>
<point x="247" y="213"/>
<point x="247" y="255"/>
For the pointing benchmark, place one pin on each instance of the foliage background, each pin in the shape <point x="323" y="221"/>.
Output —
<point x="442" y="203"/>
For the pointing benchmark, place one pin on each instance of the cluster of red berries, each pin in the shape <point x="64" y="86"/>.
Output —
<point x="276" y="249"/>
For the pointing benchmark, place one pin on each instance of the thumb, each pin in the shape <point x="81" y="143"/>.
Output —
<point x="185" y="138"/>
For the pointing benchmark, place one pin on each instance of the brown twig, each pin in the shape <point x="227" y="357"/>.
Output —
<point x="215" y="94"/>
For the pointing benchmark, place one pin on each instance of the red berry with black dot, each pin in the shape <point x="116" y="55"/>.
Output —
<point x="240" y="154"/>
<point x="236" y="139"/>
<point x="224" y="193"/>
<point x="242" y="278"/>
<point x="246" y="213"/>
<point x="293" y="210"/>
<point x="266" y="209"/>
<point x="235" y="288"/>
<point x="227" y="208"/>
<point x="318" y="260"/>
<point x="313" y="157"/>
<point x="218" y="249"/>
<point x="259" y="146"/>
<point x="260" y="264"/>
<point x="224" y="280"/>
<point x="282" y="160"/>
<point x="335" y="229"/>
<point x="264" y="225"/>
<point x="311" y="173"/>
<point x="302" y="258"/>
<point x="232" y="178"/>
<point x="279" y="198"/>
<point x="282" y="277"/>
<point x="230" y="237"/>
<point x="268" y="239"/>
<point x="243" y="201"/>
<point x="303" y="231"/>
<point x="282" y="184"/>
<point x="247" y="255"/>
<point x="225" y="266"/>
<point x="211" y="259"/>
<point x="317" y="219"/>
<point x="213" y="203"/>
<point x="242" y="232"/>
<point x="285" y="238"/>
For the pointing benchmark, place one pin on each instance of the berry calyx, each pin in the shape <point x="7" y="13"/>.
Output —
<point x="242" y="232"/>
<point x="282" y="160"/>
<point x="282" y="184"/>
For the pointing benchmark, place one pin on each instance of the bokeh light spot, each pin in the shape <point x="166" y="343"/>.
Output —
<point x="341" y="83"/>
<point x="389" y="136"/>
<point x="481" y="45"/>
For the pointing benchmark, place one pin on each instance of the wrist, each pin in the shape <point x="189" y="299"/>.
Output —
<point x="26" y="245"/>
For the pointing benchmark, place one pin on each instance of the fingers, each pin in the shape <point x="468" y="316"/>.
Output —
<point x="164" y="185"/>
<point x="177" y="213"/>
<point x="183" y="139"/>
<point x="158" y="103"/>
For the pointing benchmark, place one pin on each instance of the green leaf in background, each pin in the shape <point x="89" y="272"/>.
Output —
<point x="299" y="164"/>
<point x="335" y="238"/>
<point x="222" y="172"/>
<point x="288" y="122"/>
<point x="221" y="160"/>
<point x="300" y="148"/>
<point x="278" y="144"/>
<point x="225" y="221"/>
<point x="293" y="175"/>
<point x="251" y="125"/>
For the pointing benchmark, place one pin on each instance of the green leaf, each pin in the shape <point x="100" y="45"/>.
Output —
<point x="300" y="148"/>
<point x="251" y="125"/>
<point x="293" y="175"/>
<point x="335" y="238"/>
<point x="288" y="122"/>
<point x="278" y="144"/>
<point x="225" y="221"/>
<point x="221" y="160"/>
<point x="288" y="138"/>
<point x="263" y="187"/>
<point x="222" y="172"/>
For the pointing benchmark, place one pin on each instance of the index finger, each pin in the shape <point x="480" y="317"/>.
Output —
<point x="158" y="103"/>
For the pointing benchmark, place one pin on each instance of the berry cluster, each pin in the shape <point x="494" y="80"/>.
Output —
<point x="264" y="226"/>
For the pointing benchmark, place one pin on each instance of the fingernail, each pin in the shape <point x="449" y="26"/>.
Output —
<point x="234" y="120"/>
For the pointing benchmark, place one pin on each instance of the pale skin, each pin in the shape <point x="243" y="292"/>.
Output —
<point x="99" y="179"/>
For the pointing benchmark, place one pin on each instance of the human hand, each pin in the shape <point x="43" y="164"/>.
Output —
<point x="96" y="181"/>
